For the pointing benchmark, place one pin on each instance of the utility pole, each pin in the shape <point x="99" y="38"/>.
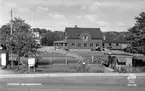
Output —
<point x="11" y="20"/>
<point x="33" y="21"/>
<point x="11" y="37"/>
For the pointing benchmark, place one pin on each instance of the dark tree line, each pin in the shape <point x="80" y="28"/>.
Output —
<point x="116" y="36"/>
<point x="48" y="37"/>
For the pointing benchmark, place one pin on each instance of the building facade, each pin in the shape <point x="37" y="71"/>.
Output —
<point x="80" y="38"/>
<point x="115" y="45"/>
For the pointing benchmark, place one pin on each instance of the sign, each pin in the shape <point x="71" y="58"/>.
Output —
<point x="131" y="78"/>
<point x="31" y="62"/>
<point x="3" y="59"/>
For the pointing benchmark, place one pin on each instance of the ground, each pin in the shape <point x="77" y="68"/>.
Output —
<point x="81" y="83"/>
<point x="57" y="57"/>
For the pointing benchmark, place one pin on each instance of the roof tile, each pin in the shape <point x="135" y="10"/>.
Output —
<point x="76" y="32"/>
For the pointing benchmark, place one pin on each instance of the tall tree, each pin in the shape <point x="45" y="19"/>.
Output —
<point x="22" y="41"/>
<point x="136" y="34"/>
<point x="49" y="37"/>
<point x="41" y="31"/>
<point x="115" y="36"/>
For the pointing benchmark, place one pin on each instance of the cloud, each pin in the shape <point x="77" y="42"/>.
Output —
<point x="10" y="5"/>
<point x="79" y="17"/>
<point x="134" y="5"/>
<point x="60" y="2"/>
<point x="88" y="17"/>
<point x="120" y="24"/>
<point x="42" y="8"/>
<point x="57" y="16"/>
<point x="102" y="23"/>
<point x="24" y="10"/>
<point x="54" y="21"/>
<point x="52" y="24"/>
<point x="120" y="4"/>
<point x="91" y="17"/>
<point x="91" y="8"/>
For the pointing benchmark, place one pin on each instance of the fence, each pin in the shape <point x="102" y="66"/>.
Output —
<point x="131" y="70"/>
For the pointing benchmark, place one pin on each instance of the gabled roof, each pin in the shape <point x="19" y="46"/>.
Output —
<point x="74" y="33"/>
<point x="115" y="41"/>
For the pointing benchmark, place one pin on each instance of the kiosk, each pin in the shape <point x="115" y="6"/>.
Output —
<point x="3" y="58"/>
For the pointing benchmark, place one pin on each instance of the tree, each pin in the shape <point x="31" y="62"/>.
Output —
<point x="41" y="31"/>
<point x="136" y="34"/>
<point x="49" y="37"/>
<point x="116" y="36"/>
<point x="22" y="41"/>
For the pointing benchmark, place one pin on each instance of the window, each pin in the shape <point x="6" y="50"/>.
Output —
<point x="97" y="44"/>
<point x="85" y="38"/>
<point x="117" y="44"/>
<point x="103" y="44"/>
<point x="73" y="44"/>
<point x="85" y="44"/>
<point x="91" y="45"/>
<point x="109" y="44"/>
<point x="65" y="44"/>
<point x="79" y="44"/>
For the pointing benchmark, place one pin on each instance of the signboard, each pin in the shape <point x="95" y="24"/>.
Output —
<point x="3" y="59"/>
<point x="131" y="78"/>
<point x="31" y="62"/>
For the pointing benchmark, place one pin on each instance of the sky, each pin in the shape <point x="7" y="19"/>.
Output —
<point x="56" y="15"/>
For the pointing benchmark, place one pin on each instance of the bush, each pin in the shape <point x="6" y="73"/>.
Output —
<point x="79" y="68"/>
<point x="66" y="49"/>
<point x="122" y="70"/>
<point x="92" y="49"/>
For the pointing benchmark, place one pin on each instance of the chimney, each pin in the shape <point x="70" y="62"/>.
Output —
<point x="76" y="26"/>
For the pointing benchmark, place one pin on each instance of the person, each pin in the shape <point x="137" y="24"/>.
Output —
<point x="102" y="62"/>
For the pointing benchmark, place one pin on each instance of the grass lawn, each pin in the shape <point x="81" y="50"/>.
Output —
<point x="50" y="54"/>
<point x="60" y="58"/>
<point x="69" y="68"/>
<point x="54" y="59"/>
<point x="89" y="54"/>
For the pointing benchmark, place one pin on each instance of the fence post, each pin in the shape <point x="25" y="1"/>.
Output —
<point x="66" y="60"/>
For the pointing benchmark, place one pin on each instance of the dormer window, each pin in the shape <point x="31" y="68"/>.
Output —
<point x="85" y="38"/>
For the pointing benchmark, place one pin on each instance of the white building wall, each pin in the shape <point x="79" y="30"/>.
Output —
<point x="115" y="46"/>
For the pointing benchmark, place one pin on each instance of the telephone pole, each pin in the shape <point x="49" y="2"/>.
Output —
<point x="33" y="21"/>
<point x="11" y="20"/>
<point x="11" y="37"/>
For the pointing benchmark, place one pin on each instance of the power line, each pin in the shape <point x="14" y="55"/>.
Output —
<point x="72" y="26"/>
<point x="78" y="26"/>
